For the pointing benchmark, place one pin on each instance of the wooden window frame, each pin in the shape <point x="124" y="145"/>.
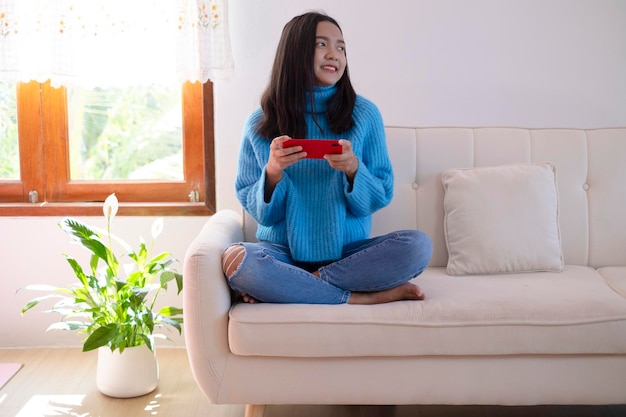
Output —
<point x="44" y="163"/>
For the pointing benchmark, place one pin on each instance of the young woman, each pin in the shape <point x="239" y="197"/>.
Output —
<point x="314" y="215"/>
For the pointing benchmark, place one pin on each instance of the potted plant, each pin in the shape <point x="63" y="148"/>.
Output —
<point x="114" y="303"/>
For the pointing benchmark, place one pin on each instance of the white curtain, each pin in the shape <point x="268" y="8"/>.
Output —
<point x="114" y="43"/>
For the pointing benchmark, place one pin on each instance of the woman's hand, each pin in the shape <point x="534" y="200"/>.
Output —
<point x="280" y="158"/>
<point x="346" y="161"/>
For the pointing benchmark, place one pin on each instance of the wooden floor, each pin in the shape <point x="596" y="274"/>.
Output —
<point x="61" y="382"/>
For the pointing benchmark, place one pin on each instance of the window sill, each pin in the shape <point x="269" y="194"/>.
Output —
<point x="95" y="209"/>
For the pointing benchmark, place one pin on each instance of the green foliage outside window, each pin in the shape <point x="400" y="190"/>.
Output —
<point x="130" y="133"/>
<point x="9" y="149"/>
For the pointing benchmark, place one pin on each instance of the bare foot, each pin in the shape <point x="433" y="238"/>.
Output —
<point x="248" y="298"/>
<point x="406" y="291"/>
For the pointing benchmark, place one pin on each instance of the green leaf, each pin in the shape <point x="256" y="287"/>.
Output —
<point x="148" y="341"/>
<point x="32" y="303"/>
<point x="93" y="264"/>
<point x="171" y="311"/>
<point x="140" y="257"/>
<point x="139" y="294"/>
<point x="78" y="271"/>
<point x="38" y="287"/>
<point x="179" y="282"/>
<point x="100" y="337"/>
<point x="74" y="311"/>
<point x="165" y="278"/>
<point x="87" y="237"/>
<point x="82" y="295"/>
<point x="159" y="257"/>
<point x="29" y="305"/>
<point x="148" y="320"/>
<point x="175" y="323"/>
<point x="168" y="276"/>
<point x="67" y="325"/>
<point x="119" y="284"/>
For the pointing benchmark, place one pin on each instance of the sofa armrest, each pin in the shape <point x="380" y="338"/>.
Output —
<point x="207" y="300"/>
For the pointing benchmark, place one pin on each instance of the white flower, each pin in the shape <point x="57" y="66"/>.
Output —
<point x="157" y="227"/>
<point x="110" y="207"/>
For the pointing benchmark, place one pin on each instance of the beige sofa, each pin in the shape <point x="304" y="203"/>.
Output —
<point x="521" y="338"/>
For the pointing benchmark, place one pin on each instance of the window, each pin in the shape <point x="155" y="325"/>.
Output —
<point x="88" y="108"/>
<point x="152" y="146"/>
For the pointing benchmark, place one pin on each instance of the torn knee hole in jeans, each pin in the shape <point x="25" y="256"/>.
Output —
<point x="231" y="259"/>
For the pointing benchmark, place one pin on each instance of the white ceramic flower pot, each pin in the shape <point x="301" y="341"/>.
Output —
<point x="133" y="373"/>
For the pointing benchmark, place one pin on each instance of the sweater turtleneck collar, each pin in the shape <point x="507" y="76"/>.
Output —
<point x="321" y="95"/>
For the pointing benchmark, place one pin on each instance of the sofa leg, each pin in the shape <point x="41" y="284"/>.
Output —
<point x="255" y="410"/>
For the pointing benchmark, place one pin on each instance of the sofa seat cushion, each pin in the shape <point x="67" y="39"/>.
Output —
<point x="615" y="276"/>
<point x="572" y="312"/>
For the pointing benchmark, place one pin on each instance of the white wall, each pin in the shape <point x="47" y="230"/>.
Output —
<point x="527" y="63"/>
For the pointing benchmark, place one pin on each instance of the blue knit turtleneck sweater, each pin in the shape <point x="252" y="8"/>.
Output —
<point x="313" y="209"/>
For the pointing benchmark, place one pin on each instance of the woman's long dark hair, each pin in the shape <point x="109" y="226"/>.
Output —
<point x="284" y="100"/>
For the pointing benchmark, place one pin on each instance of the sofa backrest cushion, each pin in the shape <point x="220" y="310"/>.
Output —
<point x="591" y="178"/>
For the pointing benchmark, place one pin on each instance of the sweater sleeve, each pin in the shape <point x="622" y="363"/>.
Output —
<point x="372" y="188"/>
<point x="250" y="181"/>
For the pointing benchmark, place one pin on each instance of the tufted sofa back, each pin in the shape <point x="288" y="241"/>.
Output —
<point x="591" y="180"/>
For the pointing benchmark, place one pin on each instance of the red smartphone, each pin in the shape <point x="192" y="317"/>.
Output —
<point x="315" y="148"/>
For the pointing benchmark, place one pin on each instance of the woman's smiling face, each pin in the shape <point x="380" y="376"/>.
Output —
<point x="329" y="62"/>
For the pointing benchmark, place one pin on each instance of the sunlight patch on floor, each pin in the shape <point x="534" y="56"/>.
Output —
<point x="52" y="405"/>
<point x="79" y="405"/>
<point x="153" y="406"/>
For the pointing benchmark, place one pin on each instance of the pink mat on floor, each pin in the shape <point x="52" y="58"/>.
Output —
<point x="7" y="370"/>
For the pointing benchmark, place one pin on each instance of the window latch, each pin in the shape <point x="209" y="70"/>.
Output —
<point x="194" y="196"/>
<point x="33" y="196"/>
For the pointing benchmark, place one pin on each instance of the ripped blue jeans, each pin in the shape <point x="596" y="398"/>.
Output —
<point x="269" y="273"/>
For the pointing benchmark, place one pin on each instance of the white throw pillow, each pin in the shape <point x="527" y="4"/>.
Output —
<point x="502" y="219"/>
